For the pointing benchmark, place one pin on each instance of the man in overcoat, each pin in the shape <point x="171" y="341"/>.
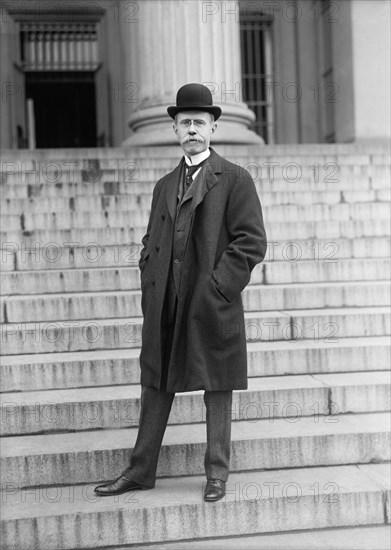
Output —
<point x="205" y="235"/>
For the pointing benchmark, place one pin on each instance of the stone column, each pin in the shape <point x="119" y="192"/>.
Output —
<point x="361" y="50"/>
<point x="175" y="42"/>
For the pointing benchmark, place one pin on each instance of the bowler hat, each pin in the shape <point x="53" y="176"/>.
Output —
<point x="194" y="97"/>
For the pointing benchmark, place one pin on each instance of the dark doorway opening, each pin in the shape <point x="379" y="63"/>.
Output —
<point x="64" y="108"/>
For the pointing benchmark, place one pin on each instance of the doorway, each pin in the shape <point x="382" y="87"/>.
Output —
<point x="64" y="108"/>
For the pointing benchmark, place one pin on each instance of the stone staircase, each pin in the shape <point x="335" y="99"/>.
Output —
<point x="311" y="435"/>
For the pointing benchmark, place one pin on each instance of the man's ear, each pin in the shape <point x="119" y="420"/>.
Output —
<point x="175" y="128"/>
<point x="214" y="127"/>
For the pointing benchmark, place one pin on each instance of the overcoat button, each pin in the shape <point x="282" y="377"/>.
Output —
<point x="176" y="261"/>
<point x="163" y="216"/>
<point x="157" y="248"/>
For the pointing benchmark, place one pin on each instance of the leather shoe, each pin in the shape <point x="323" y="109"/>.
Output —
<point x="214" y="490"/>
<point x="120" y="485"/>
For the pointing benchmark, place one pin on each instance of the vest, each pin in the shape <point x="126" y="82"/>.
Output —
<point x="181" y="233"/>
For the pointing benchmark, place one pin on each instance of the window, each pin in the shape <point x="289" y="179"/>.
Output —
<point x="257" y="70"/>
<point x="58" y="46"/>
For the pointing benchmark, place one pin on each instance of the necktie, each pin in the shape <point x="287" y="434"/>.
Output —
<point x="190" y="171"/>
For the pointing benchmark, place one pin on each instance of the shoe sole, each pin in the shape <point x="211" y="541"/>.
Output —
<point x="213" y="499"/>
<point x="116" y="493"/>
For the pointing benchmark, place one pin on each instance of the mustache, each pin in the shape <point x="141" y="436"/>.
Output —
<point x="192" y="138"/>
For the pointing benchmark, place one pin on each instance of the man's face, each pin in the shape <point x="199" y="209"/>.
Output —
<point x="194" y="130"/>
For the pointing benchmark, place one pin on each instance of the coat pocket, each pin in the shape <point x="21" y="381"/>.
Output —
<point x="143" y="261"/>
<point x="218" y="290"/>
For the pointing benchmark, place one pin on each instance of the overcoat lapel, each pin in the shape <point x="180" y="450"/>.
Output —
<point x="172" y="189"/>
<point x="213" y="167"/>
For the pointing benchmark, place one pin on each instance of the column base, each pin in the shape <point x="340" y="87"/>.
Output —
<point x="153" y="126"/>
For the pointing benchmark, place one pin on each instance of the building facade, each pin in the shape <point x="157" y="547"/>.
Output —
<point x="101" y="73"/>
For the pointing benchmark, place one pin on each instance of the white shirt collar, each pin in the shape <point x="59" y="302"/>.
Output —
<point x="196" y="159"/>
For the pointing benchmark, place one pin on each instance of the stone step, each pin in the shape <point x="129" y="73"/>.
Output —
<point x="84" y="280"/>
<point x="70" y="517"/>
<point x="342" y="538"/>
<point x="88" y="456"/>
<point x="142" y="200"/>
<point x="368" y="179"/>
<point x="126" y="171"/>
<point x="121" y="366"/>
<point x="74" y="220"/>
<point x="325" y="212"/>
<point x="277" y="231"/>
<point x="306" y="271"/>
<point x="330" y="324"/>
<point x="291" y="397"/>
<point x="128" y="278"/>
<point x="359" y="152"/>
<point x="316" y="295"/>
<point x="139" y="217"/>
<point x="127" y="303"/>
<point x="93" y="203"/>
<point x="319" y="168"/>
<point x="324" y="168"/>
<point x="51" y="255"/>
<point x="320" y="324"/>
<point x="73" y="190"/>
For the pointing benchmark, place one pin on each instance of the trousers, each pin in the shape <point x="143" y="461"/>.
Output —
<point x="155" y="410"/>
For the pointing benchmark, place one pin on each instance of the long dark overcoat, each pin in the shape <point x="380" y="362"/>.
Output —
<point x="226" y="240"/>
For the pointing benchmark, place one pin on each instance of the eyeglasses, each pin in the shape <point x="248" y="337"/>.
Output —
<point x="198" y="122"/>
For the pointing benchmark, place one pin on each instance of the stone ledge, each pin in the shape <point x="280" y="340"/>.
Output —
<point x="102" y="454"/>
<point x="342" y="538"/>
<point x="307" y="498"/>
<point x="266" y="398"/>
<point x="121" y="366"/>
<point x="127" y="277"/>
<point x="88" y="334"/>
<point x="256" y="297"/>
